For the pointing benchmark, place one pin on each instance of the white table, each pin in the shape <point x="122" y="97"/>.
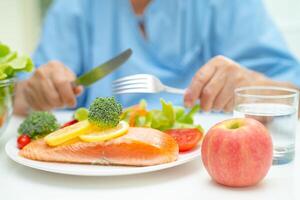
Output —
<point x="186" y="182"/>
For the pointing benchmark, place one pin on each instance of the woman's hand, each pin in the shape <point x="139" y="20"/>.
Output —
<point x="49" y="87"/>
<point x="214" y="84"/>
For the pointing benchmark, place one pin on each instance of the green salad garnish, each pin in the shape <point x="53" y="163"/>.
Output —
<point x="11" y="63"/>
<point x="168" y="117"/>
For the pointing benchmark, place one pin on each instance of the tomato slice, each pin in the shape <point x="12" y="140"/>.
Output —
<point x="187" y="138"/>
<point x="23" y="140"/>
<point x="69" y="123"/>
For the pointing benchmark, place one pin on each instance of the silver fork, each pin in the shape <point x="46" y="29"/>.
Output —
<point x="142" y="83"/>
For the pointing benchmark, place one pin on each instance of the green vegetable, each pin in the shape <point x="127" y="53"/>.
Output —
<point x="189" y="117"/>
<point x="105" y="112"/>
<point x="81" y="114"/>
<point x="169" y="117"/>
<point x="38" y="124"/>
<point x="11" y="63"/>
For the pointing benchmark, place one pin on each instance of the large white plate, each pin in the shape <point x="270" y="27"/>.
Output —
<point x="94" y="170"/>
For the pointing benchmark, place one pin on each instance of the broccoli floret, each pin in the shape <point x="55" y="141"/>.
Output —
<point x="38" y="124"/>
<point x="105" y="112"/>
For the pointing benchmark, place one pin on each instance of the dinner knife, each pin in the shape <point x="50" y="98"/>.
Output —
<point x="102" y="70"/>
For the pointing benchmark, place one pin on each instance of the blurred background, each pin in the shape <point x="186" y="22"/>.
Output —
<point x="21" y="22"/>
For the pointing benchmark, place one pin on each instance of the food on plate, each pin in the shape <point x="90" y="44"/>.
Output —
<point x="170" y="119"/>
<point x="23" y="140"/>
<point x="237" y="152"/>
<point x="99" y="136"/>
<point x="105" y="112"/>
<point x="187" y="138"/>
<point x="139" y="147"/>
<point x="102" y="123"/>
<point x="81" y="114"/>
<point x="68" y="133"/>
<point x="106" y="134"/>
<point x="69" y="123"/>
<point x="38" y="124"/>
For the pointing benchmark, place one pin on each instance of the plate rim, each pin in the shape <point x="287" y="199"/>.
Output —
<point x="40" y="165"/>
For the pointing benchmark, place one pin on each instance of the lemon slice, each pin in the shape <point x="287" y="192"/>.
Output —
<point x="72" y="141"/>
<point x="106" y="134"/>
<point x="68" y="133"/>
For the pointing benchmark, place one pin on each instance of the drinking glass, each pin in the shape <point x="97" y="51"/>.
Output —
<point x="6" y="102"/>
<point x="277" y="109"/>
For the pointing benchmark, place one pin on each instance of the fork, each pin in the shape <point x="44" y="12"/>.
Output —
<point x="142" y="83"/>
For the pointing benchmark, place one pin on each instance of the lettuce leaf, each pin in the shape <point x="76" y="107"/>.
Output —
<point x="169" y="117"/>
<point x="4" y="50"/>
<point x="11" y="63"/>
<point x="189" y="117"/>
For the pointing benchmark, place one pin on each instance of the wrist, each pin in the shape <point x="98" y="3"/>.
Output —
<point x="266" y="81"/>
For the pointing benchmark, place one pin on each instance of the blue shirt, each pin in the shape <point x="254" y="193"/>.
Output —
<point x="181" y="37"/>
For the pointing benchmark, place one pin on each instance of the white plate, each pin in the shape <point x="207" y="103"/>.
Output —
<point x="94" y="170"/>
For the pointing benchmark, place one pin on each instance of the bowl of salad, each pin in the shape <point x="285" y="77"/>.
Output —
<point x="10" y="65"/>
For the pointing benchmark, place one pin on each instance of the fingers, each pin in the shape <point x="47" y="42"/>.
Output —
<point x="50" y="87"/>
<point x="229" y="105"/>
<point x="211" y="90"/>
<point x="201" y="78"/>
<point x="78" y="90"/>
<point x="65" y="92"/>
<point x="46" y="89"/>
<point x="62" y="80"/>
<point x="214" y="84"/>
<point x="225" y="95"/>
<point x="32" y="98"/>
<point x="53" y="98"/>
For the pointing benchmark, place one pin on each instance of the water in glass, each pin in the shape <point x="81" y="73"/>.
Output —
<point x="280" y="120"/>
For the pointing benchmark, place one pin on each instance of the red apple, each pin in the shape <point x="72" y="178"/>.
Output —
<point x="237" y="152"/>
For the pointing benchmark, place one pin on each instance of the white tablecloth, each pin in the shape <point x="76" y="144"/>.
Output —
<point x="187" y="182"/>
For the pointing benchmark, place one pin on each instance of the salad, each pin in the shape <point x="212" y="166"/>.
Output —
<point x="10" y="65"/>
<point x="170" y="119"/>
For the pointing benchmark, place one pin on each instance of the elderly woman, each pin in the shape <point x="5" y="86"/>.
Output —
<point x="209" y="47"/>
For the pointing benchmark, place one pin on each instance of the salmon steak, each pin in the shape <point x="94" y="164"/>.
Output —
<point x="139" y="147"/>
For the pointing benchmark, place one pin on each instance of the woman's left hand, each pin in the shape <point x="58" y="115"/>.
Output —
<point x="214" y="84"/>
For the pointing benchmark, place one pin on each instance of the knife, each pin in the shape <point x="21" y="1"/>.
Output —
<point x="102" y="70"/>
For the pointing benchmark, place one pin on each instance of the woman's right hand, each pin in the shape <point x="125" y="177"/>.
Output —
<point x="48" y="88"/>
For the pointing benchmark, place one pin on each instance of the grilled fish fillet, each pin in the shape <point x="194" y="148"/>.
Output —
<point x="139" y="147"/>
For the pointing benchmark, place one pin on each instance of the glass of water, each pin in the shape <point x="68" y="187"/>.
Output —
<point x="277" y="109"/>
